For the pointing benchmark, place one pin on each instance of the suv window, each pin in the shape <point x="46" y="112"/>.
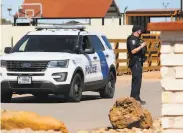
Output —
<point x="86" y="43"/>
<point x="96" y="43"/>
<point x="107" y="42"/>
<point x="46" y="43"/>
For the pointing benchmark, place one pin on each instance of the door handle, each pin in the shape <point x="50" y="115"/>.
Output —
<point x="94" y="57"/>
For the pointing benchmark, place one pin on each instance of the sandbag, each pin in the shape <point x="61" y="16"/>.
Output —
<point x="21" y="120"/>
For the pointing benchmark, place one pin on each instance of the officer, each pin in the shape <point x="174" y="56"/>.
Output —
<point x="136" y="51"/>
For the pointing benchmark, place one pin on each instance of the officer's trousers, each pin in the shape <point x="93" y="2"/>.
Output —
<point x="136" y="70"/>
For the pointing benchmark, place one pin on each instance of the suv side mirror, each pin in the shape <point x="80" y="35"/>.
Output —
<point x="7" y="50"/>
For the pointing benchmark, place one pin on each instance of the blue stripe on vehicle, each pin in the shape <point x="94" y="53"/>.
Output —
<point x="104" y="65"/>
<point x="88" y="58"/>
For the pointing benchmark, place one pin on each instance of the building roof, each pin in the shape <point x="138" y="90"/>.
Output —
<point x="165" y="26"/>
<point x="153" y="12"/>
<point x="72" y="8"/>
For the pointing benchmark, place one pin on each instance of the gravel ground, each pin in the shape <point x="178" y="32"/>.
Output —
<point x="155" y="129"/>
<point x="27" y="131"/>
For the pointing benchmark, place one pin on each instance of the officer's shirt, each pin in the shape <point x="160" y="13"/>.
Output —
<point x="132" y="43"/>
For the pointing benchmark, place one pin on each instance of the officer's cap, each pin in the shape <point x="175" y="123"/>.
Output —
<point x="136" y="28"/>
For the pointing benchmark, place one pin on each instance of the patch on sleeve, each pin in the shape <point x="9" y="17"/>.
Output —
<point x="133" y="42"/>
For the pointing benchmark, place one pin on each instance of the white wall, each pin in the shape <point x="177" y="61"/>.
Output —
<point x="8" y="32"/>
<point x="111" y="31"/>
<point x="107" y="21"/>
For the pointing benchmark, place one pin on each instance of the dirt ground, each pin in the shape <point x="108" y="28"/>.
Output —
<point x="147" y="76"/>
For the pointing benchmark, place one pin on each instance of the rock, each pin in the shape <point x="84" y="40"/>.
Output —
<point x="147" y="121"/>
<point x="11" y="120"/>
<point x="157" y="126"/>
<point x="112" y="131"/>
<point x="126" y="113"/>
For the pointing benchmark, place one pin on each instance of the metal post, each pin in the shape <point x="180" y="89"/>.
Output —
<point x="181" y="8"/>
<point x="12" y="41"/>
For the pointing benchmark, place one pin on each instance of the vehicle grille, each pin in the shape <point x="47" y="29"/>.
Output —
<point x="27" y="66"/>
<point x="24" y="74"/>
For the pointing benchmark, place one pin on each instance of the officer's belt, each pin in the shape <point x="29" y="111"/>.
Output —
<point x="137" y="58"/>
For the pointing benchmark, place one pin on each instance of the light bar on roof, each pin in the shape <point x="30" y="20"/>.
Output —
<point x="79" y="27"/>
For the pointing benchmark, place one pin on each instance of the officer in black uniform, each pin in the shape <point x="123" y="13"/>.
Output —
<point x="136" y="53"/>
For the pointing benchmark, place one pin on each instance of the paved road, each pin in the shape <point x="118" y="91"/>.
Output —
<point x="92" y="112"/>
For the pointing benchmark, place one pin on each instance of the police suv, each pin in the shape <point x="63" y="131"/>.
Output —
<point x="59" y="60"/>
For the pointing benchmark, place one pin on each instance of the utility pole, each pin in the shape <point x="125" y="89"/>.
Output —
<point x="165" y="6"/>
<point x="124" y="15"/>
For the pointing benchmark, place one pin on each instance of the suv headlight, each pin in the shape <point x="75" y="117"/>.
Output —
<point x="62" y="64"/>
<point x="3" y="63"/>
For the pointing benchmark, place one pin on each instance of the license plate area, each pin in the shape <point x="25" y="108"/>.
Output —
<point x="24" y="80"/>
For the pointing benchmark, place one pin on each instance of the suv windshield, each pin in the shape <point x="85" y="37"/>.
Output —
<point x="46" y="43"/>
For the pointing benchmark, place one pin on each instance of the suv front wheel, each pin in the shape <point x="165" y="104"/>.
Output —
<point x="76" y="89"/>
<point x="108" y="91"/>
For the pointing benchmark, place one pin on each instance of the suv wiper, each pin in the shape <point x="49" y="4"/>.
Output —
<point x="35" y="51"/>
<point x="68" y="51"/>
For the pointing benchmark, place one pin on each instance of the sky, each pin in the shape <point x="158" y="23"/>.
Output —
<point x="132" y="5"/>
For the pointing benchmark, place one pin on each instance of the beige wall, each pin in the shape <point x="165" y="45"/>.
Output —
<point x="111" y="31"/>
<point x="8" y="32"/>
<point x="107" y="21"/>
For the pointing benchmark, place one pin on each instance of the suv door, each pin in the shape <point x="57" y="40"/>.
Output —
<point x="109" y="52"/>
<point x="91" y="62"/>
<point x="100" y="50"/>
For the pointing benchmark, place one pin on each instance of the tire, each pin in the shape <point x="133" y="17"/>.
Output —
<point x="6" y="97"/>
<point x="109" y="90"/>
<point x="76" y="89"/>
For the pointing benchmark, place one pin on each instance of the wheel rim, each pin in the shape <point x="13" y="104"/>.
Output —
<point x="77" y="87"/>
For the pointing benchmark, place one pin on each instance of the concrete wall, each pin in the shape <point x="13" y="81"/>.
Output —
<point x="107" y="21"/>
<point x="172" y="81"/>
<point x="112" y="31"/>
<point x="8" y="32"/>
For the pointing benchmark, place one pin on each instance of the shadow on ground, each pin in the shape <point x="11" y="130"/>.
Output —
<point x="51" y="99"/>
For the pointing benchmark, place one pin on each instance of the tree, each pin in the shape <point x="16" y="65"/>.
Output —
<point x="4" y="21"/>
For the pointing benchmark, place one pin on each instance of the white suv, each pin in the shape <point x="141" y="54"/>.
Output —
<point x="59" y="60"/>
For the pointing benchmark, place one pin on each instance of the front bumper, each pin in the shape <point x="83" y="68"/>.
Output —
<point x="48" y="75"/>
<point x="35" y="87"/>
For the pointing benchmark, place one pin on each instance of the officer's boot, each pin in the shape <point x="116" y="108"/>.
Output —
<point x="142" y="102"/>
